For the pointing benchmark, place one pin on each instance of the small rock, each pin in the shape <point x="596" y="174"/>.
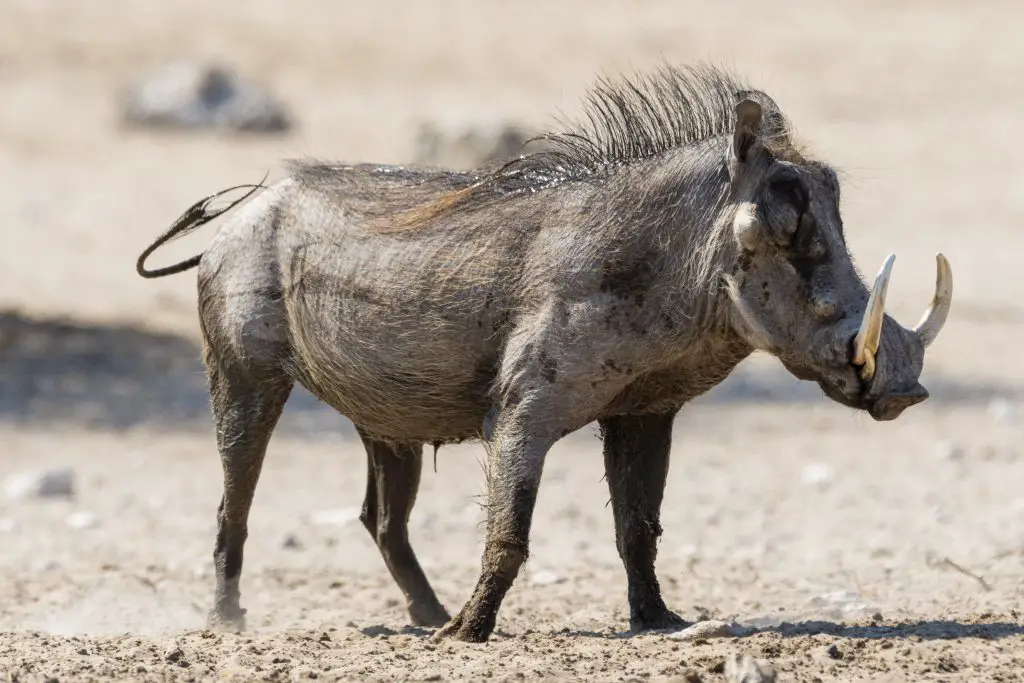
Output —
<point x="947" y="450"/>
<point x="173" y="653"/>
<point x="291" y="542"/>
<point x="692" y="676"/>
<point x="745" y="669"/>
<point x="45" y="566"/>
<point x="472" y="146"/>
<point x="712" y="628"/>
<point x="545" y="578"/>
<point x="304" y="673"/>
<point x="818" y="474"/>
<point x="58" y="483"/>
<point x="838" y="605"/>
<point x="81" y="520"/>
<point x="335" y="517"/>
<point x="1002" y="411"/>
<point x="189" y="95"/>
<point x="943" y="515"/>
<point x="833" y="652"/>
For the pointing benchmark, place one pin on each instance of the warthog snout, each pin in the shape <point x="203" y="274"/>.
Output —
<point x="889" y="406"/>
<point x="867" y="360"/>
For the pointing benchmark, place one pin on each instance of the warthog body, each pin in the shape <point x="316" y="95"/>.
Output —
<point x="612" y="279"/>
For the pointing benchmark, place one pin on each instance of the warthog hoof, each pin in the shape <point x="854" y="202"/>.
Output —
<point x="459" y="629"/>
<point x="429" y="614"/>
<point x="656" y="620"/>
<point x="227" y="621"/>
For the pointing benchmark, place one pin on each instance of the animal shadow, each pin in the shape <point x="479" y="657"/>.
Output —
<point x="113" y="376"/>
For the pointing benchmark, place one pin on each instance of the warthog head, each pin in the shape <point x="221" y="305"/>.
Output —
<point x="795" y="291"/>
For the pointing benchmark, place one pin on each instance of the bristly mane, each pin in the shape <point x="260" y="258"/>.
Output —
<point x="631" y="119"/>
<point x="627" y="120"/>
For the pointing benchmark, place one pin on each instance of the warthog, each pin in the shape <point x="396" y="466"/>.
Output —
<point x="611" y="278"/>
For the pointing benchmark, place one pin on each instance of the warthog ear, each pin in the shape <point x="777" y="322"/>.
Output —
<point x="748" y="129"/>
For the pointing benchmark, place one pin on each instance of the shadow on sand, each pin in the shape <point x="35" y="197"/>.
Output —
<point x="121" y="377"/>
<point x="922" y="630"/>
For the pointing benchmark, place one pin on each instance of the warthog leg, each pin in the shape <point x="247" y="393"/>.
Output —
<point x="636" y="456"/>
<point x="246" y="410"/>
<point x="515" y="462"/>
<point x="392" y="481"/>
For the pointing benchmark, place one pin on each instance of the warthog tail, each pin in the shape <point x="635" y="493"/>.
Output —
<point x="195" y="216"/>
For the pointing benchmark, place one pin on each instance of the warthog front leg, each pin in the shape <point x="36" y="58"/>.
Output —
<point x="392" y="481"/>
<point x="246" y="412"/>
<point x="636" y="455"/>
<point x="515" y="462"/>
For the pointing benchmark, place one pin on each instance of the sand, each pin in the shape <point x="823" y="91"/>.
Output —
<point x="855" y="550"/>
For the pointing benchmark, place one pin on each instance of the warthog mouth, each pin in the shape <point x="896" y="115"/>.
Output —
<point x="857" y="394"/>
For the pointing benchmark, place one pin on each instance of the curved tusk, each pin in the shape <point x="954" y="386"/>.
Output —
<point x="935" y="317"/>
<point x="865" y="344"/>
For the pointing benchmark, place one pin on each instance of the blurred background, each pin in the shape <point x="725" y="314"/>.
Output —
<point x="115" y="117"/>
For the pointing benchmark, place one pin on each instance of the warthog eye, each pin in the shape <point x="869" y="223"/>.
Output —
<point x="806" y="251"/>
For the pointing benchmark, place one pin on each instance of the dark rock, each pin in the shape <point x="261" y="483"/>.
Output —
<point x="189" y="95"/>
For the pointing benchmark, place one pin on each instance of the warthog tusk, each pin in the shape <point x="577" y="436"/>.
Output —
<point x="865" y="344"/>
<point x="935" y="317"/>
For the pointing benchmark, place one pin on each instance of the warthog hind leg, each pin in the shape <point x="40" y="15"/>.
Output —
<point x="392" y="481"/>
<point x="246" y="410"/>
<point x="636" y="455"/>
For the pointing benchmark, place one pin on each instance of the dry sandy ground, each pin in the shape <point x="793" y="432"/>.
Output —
<point x="899" y="544"/>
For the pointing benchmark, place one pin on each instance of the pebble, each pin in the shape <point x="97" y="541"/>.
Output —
<point x="335" y="517"/>
<point x="82" y="519"/>
<point x="742" y="668"/>
<point x="291" y="542"/>
<point x="56" y="483"/>
<point x="712" y="628"/>
<point x="841" y="604"/>
<point x="545" y="578"/>
<point x="948" y="450"/>
<point x="173" y="653"/>
<point x="45" y="566"/>
<point x="818" y="474"/>
<point x="1002" y="411"/>
<point x="304" y="673"/>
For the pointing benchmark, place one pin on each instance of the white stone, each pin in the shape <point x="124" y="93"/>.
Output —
<point x="545" y="578"/>
<point x="82" y="519"/>
<point x="335" y="517"/>
<point x="57" y="483"/>
<point x="948" y="450"/>
<point x="1002" y="411"/>
<point x="818" y="474"/>
<point x="742" y="668"/>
